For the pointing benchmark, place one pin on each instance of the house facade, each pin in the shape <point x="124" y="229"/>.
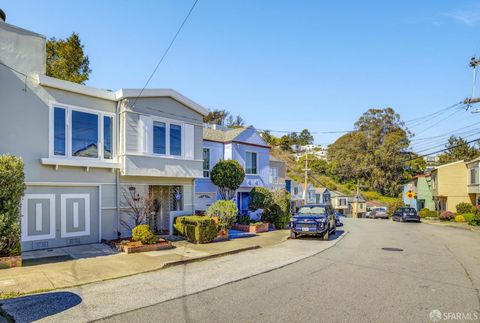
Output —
<point x="86" y="148"/>
<point x="244" y="145"/>
<point x="449" y="186"/>
<point x="421" y="187"/>
<point x="339" y="202"/>
<point x="278" y="173"/>
<point x="473" y="174"/>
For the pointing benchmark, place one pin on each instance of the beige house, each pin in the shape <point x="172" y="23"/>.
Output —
<point x="449" y="186"/>
<point x="473" y="175"/>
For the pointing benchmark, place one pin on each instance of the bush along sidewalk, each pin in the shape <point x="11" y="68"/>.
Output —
<point x="12" y="188"/>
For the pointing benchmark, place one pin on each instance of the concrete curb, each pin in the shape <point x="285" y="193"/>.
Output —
<point x="451" y="226"/>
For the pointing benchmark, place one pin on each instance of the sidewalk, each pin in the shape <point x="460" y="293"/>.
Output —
<point x="457" y="225"/>
<point x="49" y="276"/>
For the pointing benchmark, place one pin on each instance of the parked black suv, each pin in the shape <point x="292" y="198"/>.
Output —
<point x="405" y="214"/>
<point x="313" y="219"/>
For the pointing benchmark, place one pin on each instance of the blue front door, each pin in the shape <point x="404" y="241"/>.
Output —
<point x="242" y="202"/>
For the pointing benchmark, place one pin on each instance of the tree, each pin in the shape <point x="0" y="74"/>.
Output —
<point x="66" y="59"/>
<point x="224" y="118"/>
<point x="375" y="153"/>
<point x="458" y="149"/>
<point x="228" y="175"/>
<point x="305" y="138"/>
<point x="316" y="165"/>
<point x="138" y="208"/>
<point x="285" y="143"/>
<point x="269" y="138"/>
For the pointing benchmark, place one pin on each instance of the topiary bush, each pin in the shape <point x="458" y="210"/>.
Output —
<point x="446" y="216"/>
<point x="423" y="213"/>
<point x="463" y="208"/>
<point x="226" y="211"/>
<point x="12" y="188"/>
<point x="143" y="233"/>
<point x="228" y="175"/>
<point x="459" y="218"/>
<point x="197" y="229"/>
<point x="260" y="198"/>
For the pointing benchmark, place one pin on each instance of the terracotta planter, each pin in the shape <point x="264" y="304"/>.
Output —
<point x="134" y="247"/>
<point x="10" y="262"/>
<point x="251" y="228"/>
<point x="222" y="235"/>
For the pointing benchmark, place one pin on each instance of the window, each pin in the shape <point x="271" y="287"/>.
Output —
<point x="206" y="162"/>
<point x="295" y="190"/>
<point x="342" y="202"/>
<point x="273" y="175"/>
<point x="82" y="133"/>
<point x="107" y="137"/>
<point x="175" y="140"/>
<point x="159" y="138"/>
<point x="59" y="141"/>
<point x="473" y="176"/>
<point x="251" y="163"/>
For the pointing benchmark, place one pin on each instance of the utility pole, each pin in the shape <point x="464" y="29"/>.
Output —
<point x="474" y="63"/>
<point x="306" y="178"/>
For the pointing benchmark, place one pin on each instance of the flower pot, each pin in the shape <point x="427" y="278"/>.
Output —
<point x="10" y="262"/>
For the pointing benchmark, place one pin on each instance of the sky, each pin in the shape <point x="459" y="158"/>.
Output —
<point x="282" y="65"/>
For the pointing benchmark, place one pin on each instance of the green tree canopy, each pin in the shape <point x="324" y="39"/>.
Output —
<point x="224" y="118"/>
<point x="66" y="59"/>
<point x="228" y="175"/>
<point x="458" y="149"/>
<point x="375" y="153"/>
<point x="305" y="138"/>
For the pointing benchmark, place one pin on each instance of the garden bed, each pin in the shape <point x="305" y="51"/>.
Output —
<point x="128" y="246"/>
<point x="251" y="228"/>
<point x="10" y="262"/>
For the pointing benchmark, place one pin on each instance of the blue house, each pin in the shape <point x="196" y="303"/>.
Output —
<point x="244" y="145"/>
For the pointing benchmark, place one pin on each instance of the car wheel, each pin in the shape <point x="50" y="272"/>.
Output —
<point x="293" y="235"/>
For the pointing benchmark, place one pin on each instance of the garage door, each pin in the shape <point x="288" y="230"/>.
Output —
<point x="59" y="216"/>
<point x="204" y="200"/>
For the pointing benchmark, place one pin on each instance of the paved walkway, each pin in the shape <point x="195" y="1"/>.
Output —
<point x="98" y="266"/>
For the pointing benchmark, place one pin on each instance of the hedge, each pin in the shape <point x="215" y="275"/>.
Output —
<point x="279" y="212"/>
<point x="260" y="198"/>
<point x="12" y="187"/>
<point x="197" y="229"/>
<point x="464" y="208"/>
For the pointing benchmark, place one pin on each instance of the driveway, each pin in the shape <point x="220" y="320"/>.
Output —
<point x="354" y="281"/>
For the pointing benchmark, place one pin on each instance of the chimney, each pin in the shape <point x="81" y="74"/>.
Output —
<point x="3" y="16"/>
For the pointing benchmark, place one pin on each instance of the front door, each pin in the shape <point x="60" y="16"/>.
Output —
<point x="242" y="202"/>
<point x="164" y="199"/>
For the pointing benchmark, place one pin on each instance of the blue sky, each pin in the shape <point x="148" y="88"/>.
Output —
<point x="283" y="65"/>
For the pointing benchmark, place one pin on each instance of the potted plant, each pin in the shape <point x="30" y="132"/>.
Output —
<point x="246" y="224"/>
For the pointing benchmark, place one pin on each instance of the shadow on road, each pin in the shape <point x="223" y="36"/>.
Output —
<point x="331" y="238"/>
<point x="35" y="307"/>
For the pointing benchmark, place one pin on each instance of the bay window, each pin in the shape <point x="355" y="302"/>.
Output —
<point x="167" y="138"/>
<point x="251" y="163"/>
<point x="82" y="133"/>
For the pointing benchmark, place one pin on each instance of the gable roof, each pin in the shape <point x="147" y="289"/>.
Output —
<point x="222" y="135"/>
<point x="449" y="164"/>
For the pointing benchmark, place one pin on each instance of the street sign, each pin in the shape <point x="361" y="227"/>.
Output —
<point x="410" y="194"/>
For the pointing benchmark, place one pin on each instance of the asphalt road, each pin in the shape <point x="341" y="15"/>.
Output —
<point x="355" y="281"/>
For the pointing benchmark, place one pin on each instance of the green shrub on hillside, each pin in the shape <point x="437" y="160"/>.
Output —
<point x="12" y="187"/>
<point x="463" y="208"/>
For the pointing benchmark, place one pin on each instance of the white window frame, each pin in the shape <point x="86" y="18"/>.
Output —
<point x="68" y="132"/>
<point x="209" y="162"/>
<point x="274" y="175"/>
<point x="168" y="123"/>
<point x="256" y="160"/>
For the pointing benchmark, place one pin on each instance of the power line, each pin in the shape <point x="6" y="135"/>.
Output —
<point x="166" y="51"/>
<point x="442" y="150"/>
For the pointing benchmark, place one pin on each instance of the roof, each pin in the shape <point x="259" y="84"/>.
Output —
<point x="374" y="204"/>
<point x="273" y="158"/>
<point x="474" y="160"/>
<point x="222" y="135"/>
<point x="321" y="190"/>
<point x="337" y="193"/>
<point x="120" y="94"/>
<point x="449" y="164"/>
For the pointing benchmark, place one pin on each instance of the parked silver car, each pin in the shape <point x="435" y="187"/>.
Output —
<point x="378" y="213"/>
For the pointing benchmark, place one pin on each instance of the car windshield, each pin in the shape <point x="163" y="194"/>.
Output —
<point x="312" y="210"/>
<point x="408" y="209"/>
<point x="381" y="209"/>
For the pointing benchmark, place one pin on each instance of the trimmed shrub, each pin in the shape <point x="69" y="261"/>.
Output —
<point x="433" y="214"/>
<point x="12" y="187"/>
<point x="463" y="208"/>
<point x="143" y="233"/>
<point x="459" y="218"/>
<point x="279" y="212"/>
<point x="260" y="198"/>
<point x="197" y="229"/>
<point x="226" y="211"/>
<point x="446" y="216"/>
<point x="228" y="175"/>
<point x="423" y="213"/>
<point x="472" y="219"/>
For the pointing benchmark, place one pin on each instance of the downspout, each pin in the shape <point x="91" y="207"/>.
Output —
<point x="117" y="171"/>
